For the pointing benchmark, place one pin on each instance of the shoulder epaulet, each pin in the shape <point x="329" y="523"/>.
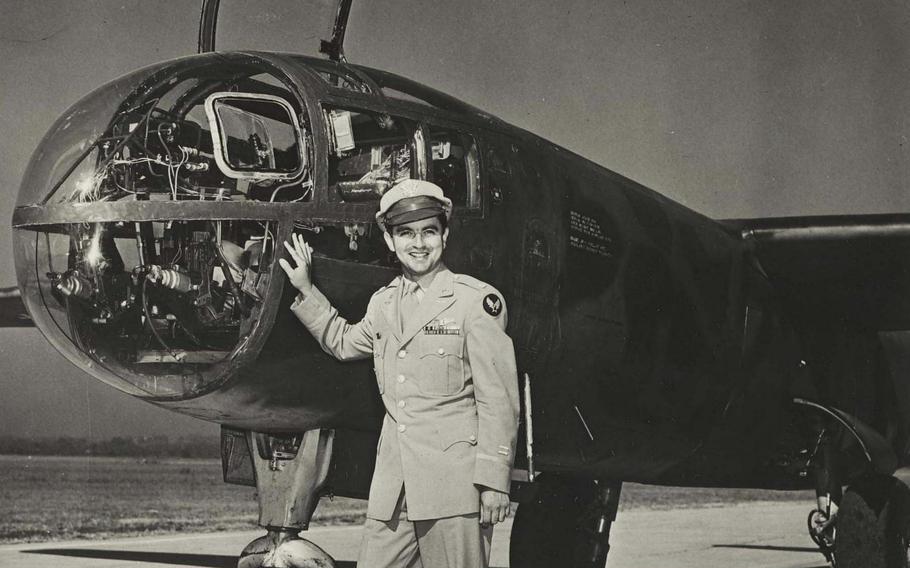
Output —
<point x="472" y="282"/>
<point x="388" y="286"/>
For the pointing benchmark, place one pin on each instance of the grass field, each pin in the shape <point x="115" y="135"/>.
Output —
<point x="56" y="498"/>
<point x="60" y="498"/>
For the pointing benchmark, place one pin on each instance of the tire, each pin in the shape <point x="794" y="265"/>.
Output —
<point x="873" y="525"/>
<point x="547" y="531"/>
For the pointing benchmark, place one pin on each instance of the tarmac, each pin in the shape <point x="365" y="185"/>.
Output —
<point x="766" y="535"/>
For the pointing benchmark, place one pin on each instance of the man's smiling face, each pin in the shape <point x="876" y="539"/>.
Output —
<point x="418" y="245"/>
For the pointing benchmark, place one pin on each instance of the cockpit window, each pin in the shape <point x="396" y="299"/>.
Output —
<point x="255" y="136"/>
<point x="455" y="165"/>
<point x="394" y="93"/>
<point x="338" y="76"/>
<point x="369" y="153"/>
<point x="345" y="82"/>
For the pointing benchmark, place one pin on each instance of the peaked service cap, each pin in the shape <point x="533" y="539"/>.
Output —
<point x="412" y="200"/>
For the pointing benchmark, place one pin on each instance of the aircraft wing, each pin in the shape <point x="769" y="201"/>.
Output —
<point x="12" y="310"/>
<point x="853" y="269"/>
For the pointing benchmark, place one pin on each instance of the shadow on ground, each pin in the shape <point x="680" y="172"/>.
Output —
<point x="772" y="548"/>
<point x="171" y="558"/>
<point x="769" y="547"/>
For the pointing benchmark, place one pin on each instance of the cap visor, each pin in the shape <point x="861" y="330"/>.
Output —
<point x="415" y="215"/>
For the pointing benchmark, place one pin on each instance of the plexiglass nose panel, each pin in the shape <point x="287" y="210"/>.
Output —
<point x="145" y="227"/>
<point x="164" y="306"/>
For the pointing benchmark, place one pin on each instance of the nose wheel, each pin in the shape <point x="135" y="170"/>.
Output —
<point x="284" y="549"/>
<point x="870" y="528"/>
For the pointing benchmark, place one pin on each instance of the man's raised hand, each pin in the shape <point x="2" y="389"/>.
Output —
<point x="299" y="272"/>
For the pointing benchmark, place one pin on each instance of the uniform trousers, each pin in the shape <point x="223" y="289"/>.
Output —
<point x="450" y="542"/>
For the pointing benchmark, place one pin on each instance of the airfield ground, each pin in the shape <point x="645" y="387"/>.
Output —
<point x="69" y="498"/>
<point x="759" y="535"/>
<point x="75" y="512"/>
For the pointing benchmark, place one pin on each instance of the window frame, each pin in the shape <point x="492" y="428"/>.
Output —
<point x="220" y="151"/>
<point x="415" y="136"/>
<point x="475" y="206"/>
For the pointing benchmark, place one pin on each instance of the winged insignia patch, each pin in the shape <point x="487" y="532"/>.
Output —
<point x="492" y="304"/>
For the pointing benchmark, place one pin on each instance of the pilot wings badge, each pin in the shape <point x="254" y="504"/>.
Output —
<point x="492" y="304"/>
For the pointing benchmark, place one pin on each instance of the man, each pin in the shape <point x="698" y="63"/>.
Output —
<point x="446" y="373"/>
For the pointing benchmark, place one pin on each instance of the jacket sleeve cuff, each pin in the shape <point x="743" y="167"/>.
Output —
<point x="493" y="473"/>
<point x="309" y="307"/>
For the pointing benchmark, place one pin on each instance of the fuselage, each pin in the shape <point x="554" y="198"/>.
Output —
<point x="151" y="216"/>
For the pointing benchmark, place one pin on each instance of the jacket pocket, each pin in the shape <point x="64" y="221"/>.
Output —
<point x="442" y="367"/>
<point x="459" y="438"/>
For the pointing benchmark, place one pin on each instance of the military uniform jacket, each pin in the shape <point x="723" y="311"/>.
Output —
<point x="449" y="385"/>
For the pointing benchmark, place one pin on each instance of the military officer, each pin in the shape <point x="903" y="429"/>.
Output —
<point x="446" y="373"/>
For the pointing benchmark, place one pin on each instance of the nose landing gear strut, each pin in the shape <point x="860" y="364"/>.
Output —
<point x="290" y="473"/>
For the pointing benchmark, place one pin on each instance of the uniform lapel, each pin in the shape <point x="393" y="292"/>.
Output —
<point x="439" y="297"/>
<point x="390" y="308"/>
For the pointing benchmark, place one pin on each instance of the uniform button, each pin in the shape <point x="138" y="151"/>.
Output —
<point x="400" y="378"/>
<point x="402" y="427"/>
<point x="400" y="404"/>
<point x="441" y="351"/>
<point x="472" y="437"/>
<point x="402" y="354"/>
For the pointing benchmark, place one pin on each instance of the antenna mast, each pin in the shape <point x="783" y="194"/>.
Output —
<point x="334" y="47"/>
<point x="208" y="21"/>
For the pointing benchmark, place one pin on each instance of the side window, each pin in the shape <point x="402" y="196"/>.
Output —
<point x="370" y="152"/>
<point x="255" y="136"/>
<point x="455" y="167"/>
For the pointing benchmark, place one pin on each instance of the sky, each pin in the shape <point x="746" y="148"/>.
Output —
<point x="735" y="109"/>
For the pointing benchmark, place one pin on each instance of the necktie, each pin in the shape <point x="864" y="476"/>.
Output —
<point x="410" y="298"/>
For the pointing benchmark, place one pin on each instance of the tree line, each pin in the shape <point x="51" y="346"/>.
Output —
<point x="118" y="446"/>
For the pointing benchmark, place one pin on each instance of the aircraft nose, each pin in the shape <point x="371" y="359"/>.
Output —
<point x="147" y="220"/>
